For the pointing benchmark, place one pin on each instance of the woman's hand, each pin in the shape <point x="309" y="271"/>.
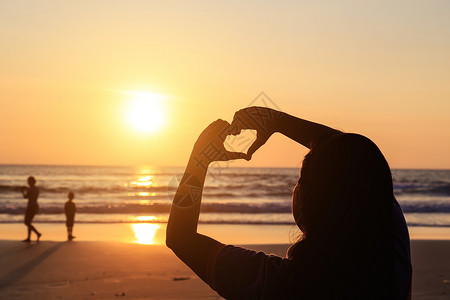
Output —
<point x="209" y="145"/>
<point x="262" y="119"/>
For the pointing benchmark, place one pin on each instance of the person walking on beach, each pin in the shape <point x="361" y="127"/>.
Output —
<point x="354" y="243"/>
<point x="32" y="194"/>
<point x="69" y="210"/>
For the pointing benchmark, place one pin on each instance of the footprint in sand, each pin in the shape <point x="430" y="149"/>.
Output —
<point x="59" y="284"/>
<point x="180" y="278"/>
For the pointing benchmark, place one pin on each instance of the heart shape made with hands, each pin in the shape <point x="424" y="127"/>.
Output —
<point x="241" y="142"/>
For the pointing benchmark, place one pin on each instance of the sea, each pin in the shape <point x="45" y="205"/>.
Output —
<point x="231" y="195"/>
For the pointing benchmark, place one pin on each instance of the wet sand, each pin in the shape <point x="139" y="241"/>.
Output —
<point x="114" y="270"/>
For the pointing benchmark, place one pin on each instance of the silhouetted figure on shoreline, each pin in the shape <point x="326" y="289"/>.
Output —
<point x="355" y="243"/>
<point x="69" y="210"/>
<point x="32" y="194"/>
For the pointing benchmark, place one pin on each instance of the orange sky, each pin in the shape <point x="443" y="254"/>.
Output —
<point x="379" y="69"/>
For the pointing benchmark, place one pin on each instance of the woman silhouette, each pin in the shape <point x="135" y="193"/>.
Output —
<point x="32" y="194"/>
<point x="355" y="243"/>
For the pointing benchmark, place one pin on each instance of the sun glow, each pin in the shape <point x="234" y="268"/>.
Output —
<point x="146" y="111"/>
<point x="145" y="233"/>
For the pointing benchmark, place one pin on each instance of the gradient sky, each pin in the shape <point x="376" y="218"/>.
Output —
<point x="381" y="69"/>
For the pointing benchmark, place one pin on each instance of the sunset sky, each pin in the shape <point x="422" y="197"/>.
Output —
<point x="71" y="73"/>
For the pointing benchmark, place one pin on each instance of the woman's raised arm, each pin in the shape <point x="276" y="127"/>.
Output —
<point x="191" y="247"/>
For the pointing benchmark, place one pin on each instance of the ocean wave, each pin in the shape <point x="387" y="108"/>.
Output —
<point x="10" y="188"/>
<point x="218" y="222"/>
<point x="87" y="189"/>
<point x="426" y="207"/>
<point x="242" y="221"/>
<point x="157" y="208"/>
<point x="222" y="208"/>
<point x="250" y="189"/>
<point x="151" y="192"/>
<point x="442" y="189"/>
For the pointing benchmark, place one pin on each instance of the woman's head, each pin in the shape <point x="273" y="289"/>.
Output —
<point x="345" y="187"/>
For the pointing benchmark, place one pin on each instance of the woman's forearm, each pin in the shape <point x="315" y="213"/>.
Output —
<point x="302" y="131"/>
<point x="185" y="210"/>
<point x="191" y="247"/>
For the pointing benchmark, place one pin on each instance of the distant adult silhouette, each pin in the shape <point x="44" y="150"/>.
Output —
<point x="69" y="210"/>
<point x="31" y="193"/>
<point x="355" y="243"/>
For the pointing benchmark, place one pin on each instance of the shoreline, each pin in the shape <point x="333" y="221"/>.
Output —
<point x="154" y="233"/>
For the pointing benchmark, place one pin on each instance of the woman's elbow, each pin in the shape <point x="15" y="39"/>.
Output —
<point x="177" y="241"/>
<point x="170" y="241"/>
<point x="173" y="240"/>
<point x="170" y="238"/>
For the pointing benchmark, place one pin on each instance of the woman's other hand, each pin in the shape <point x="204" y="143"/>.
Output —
<point x="262" y="119"/>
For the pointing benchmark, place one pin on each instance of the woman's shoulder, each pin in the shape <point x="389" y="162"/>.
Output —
<point x="248" y="274"/>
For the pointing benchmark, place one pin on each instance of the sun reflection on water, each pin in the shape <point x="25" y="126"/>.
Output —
<point x="143" y="181"/>
<point x="145" y="233"/>
<point x="145" y="218"/>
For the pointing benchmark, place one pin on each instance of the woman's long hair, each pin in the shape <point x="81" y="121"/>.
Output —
<point x="343" y="204"/>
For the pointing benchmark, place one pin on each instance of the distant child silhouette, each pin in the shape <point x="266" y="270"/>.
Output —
<point x="69" y="210"/>
<point x="32" y="194"/>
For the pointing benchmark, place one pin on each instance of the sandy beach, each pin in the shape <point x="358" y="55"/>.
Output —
<point x="109" y="270"/>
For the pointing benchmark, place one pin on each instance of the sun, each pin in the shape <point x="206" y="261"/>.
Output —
<point x="145" y="112"/>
